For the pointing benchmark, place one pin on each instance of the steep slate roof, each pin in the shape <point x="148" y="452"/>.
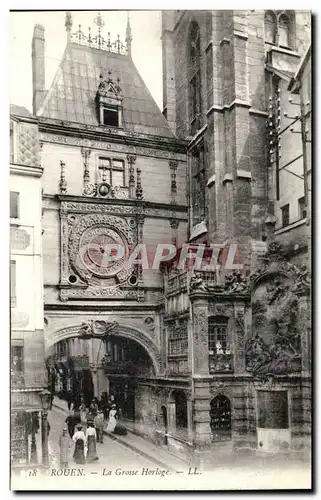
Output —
<point x="73" y="91"/>
<point x="19" y="111"/>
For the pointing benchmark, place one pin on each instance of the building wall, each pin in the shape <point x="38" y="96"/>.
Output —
<point x="26" y="251"/>
<point x="27" y="323"/>
<point x="234" y="110"/>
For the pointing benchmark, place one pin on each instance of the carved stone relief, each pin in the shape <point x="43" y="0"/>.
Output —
<point x="275" y="348"/>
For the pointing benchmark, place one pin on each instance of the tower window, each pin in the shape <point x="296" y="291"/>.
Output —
<point x="284" y="31"/>
<point x="110" y="117"/>
<point x="198" y="185"/>
<point x="302" y="208"/>
<point x="279" y="30"/>
<point x="270" y="27"/>
<point x="194" y="70"/>
<point x="285" y="211"/>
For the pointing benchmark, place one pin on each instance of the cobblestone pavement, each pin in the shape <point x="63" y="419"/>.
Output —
<point x="111" y="453"/>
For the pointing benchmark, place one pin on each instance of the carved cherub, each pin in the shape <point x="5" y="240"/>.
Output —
<point x="85" y="328"/>
<point x="235" y="282"/>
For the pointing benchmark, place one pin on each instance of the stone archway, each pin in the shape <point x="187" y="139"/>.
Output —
<point x="123" y="330"/>
<point x="118" y="358"/>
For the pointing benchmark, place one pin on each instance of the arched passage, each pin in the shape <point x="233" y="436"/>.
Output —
<point x="115" y="362"/>
<point x="220" y="415"/>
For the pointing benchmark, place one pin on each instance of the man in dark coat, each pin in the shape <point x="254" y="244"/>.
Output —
<point x="72" y="420"/>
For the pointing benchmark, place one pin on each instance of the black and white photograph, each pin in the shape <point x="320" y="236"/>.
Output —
<point x="160" y="250"/>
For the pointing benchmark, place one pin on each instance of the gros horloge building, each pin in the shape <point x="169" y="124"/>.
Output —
<point x="197" y="359"/>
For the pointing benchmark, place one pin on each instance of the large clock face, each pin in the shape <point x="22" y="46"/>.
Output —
<point x="97" y="252"/>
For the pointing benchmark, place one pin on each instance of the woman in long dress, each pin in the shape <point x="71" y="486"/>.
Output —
<point x="79" y="439"/>
<point x="112" y="420"/>
<point x="83" y="414"/>
<point x="91" y="438"/>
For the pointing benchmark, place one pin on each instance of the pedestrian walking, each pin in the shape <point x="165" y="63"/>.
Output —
<point x="104" y="405"/>
<point x="91" y="438"/>
<point x="99" y="426"/>
<point x="93" y="408"/>
<point x="72" y="420"/>
<point x="69" y="399"/>
<point x="77" y="400"/>
<point x="79" y="439"/>
<point x="83" y="413"/>
<point x="112" y="421"/>
<point x="64" y="448"/>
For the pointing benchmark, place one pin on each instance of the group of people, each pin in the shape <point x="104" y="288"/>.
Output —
<point x="85" y="429"/>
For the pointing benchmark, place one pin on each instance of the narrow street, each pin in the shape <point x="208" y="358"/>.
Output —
<point x="111" y="453"/>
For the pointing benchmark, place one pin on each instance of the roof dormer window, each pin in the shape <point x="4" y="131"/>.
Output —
<point x="109" y="102"/>
<point x="110" y="117"/>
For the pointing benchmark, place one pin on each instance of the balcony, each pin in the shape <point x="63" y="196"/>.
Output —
<point x="220" y="363"/>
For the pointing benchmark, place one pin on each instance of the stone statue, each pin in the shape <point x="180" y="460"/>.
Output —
<point x="197" y="283"/>
<point x="236" y="282"/>
<point x="275" y="290"/>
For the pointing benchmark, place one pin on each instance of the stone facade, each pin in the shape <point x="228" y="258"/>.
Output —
<point x="195" y="358"/>
<point x="27" y="338"/>
<point x="243" y="75"/>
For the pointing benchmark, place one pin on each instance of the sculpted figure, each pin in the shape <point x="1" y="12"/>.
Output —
<point x="85" y="328"/>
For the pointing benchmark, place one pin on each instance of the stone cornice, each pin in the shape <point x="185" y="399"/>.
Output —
<point x="95" y="306"/>
<point x="96" y="133"/>
<point x="237" y="103"/>
<point x="146" y="206"/>
<point x="34" y="171"/>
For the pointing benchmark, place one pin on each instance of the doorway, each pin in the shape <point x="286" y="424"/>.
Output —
<point x="221" y="422"/>
<point x="164" y="422"/>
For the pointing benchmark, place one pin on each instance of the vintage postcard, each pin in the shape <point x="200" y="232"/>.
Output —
<point x="160" y="232"/>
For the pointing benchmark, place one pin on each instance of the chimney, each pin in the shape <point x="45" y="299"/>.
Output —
<point x="38" y="67"/>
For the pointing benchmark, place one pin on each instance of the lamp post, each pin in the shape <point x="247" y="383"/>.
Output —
<point x="45" y="400"/>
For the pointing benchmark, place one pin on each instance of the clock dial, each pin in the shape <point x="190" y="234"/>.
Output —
<point x="97" y="255"/>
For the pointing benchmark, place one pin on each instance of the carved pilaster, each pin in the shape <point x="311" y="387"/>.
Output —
<point x="63" y="182"/>
<point x="199" y="339"/>
<point x="239" y="334"/>
<point x="86" y="155"/>
<point x="173" y="167"/>
<point x="140" y="236"/>
<point x="139" y="189"/>
<point x="174" y="223"/>
<point x="131" y="160"/>
<point x="63" y="247"/>
<point x="202" y="440"/>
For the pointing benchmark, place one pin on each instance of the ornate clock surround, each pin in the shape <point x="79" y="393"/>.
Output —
<point x="85" y="228"/>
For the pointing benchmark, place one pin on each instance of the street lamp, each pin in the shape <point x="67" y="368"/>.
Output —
<point x="45" y="397"/>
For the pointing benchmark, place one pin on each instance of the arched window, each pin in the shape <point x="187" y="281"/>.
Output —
<point x="194" y="70"/>
<point x="220" y="415"/>
<point x="284" y="31"/>
<point x="270" y="27"/>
